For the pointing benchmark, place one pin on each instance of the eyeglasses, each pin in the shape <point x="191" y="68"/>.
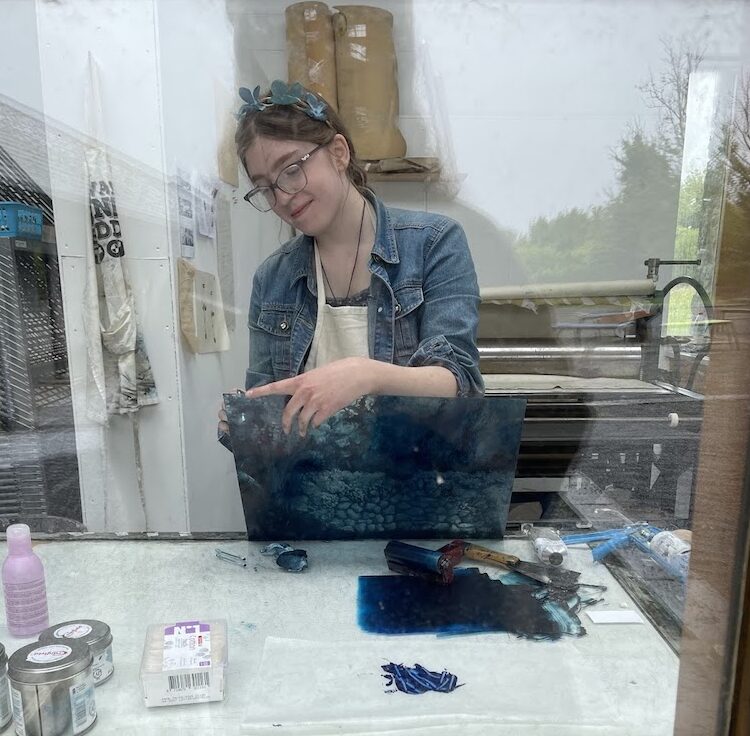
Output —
<point x="291" y="179"/>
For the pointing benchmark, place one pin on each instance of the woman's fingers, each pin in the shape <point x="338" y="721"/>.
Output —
<point x="285" y="386"/>
<point x="293" y="407"/>
<point x="306" y="415"/>
<point x="317" y="395"/>
<point x="223" y="421"/>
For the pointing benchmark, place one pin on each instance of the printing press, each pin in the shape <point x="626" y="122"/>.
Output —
<point x="614" y="404"/>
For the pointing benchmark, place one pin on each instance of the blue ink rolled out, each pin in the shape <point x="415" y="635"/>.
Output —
<point x="417" y="680"/>
<point x="472" y="603"/>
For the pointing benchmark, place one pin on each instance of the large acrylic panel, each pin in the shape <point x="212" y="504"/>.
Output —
<point x="384" y="467"/>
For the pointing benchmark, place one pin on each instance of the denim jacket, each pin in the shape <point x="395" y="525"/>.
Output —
<point x="422" y="306"/>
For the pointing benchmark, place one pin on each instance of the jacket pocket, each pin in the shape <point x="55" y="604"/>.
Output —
<point x="276" y="321"/>
<point x="407" y="316"/>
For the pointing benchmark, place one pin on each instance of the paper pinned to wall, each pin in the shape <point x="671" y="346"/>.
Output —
<point x="201" y="310"/>
<point x="185" y="214"/>
<point x="205" y="207"/>
<point x="224" y="255"/>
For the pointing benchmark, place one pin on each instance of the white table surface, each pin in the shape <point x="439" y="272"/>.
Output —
<point x="131" y="584"/>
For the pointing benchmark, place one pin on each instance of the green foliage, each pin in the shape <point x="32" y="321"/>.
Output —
<point x="642" y="216"/>
<point x="637" y="222"/>
<point x="554" y="249"/>
<point x="680" y="310"/>
<point x="691" y="202"/>
<point x="686" y="243"/>
<point x="649" y="214"/>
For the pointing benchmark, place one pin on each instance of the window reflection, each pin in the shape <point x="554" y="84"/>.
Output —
<point x="597" y="159"/>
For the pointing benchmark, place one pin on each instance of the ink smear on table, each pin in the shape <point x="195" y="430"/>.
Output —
<point x="472" y="603"/>
<point x="384" y="467"/>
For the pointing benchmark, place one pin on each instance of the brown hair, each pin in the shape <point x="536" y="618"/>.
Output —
<point x="288" y="122"/>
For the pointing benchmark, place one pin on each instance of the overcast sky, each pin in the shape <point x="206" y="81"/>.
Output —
<point x="559" y="81"/>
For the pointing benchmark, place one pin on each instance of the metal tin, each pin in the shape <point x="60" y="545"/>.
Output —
<point x="52" y="689"/>
<point x="6" y="712"/>
<point x="95" y="633"/>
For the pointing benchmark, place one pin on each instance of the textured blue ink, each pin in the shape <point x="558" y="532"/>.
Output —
<point x="384" y="467"/>
<point x="417" y="679"/>
<point x="472" y="603"/>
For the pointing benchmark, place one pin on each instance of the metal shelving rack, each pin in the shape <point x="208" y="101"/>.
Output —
<point x="39" y="481"/>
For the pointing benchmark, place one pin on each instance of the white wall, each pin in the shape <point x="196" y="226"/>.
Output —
<point x="120" y="491"/>
<point x="21" y="82"/>
<point x="195" y="65"/>
<point x="19" y="54"/>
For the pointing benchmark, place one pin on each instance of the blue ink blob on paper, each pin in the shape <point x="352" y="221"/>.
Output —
<point x="417" y="679"/>
<point x="384" y="467"/>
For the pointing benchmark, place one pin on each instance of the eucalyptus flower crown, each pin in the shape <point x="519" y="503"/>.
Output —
<point x="283" y="94"/>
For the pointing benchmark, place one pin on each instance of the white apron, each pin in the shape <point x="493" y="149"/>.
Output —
<point x="340" y="332"/>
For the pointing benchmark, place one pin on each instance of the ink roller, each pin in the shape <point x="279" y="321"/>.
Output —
<point x="409" y="559"/>
<point x="546" y="574"/>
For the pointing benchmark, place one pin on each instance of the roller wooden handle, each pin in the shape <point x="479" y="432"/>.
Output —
<point x="475" y="552"/>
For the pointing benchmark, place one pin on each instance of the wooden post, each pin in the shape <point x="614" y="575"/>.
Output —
<point x="718" y="568"/>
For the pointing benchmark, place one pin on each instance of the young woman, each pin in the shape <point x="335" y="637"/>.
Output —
<point x="367" y="299"/>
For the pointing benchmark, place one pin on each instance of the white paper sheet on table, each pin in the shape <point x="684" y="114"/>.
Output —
<point x="315" y="688"/>
<point x="615" y="617"/>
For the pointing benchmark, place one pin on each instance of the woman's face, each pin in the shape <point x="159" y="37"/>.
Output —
<point x="313" y="209"/>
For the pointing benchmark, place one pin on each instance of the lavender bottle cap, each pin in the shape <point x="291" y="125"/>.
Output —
<point x="19" y="538"/>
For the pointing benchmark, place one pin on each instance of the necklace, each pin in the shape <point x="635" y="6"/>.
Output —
<point x="356" y="258"/>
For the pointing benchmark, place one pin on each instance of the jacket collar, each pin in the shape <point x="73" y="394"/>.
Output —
<point x="384" y="249"/>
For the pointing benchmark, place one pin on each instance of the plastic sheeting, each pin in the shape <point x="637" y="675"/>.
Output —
<point x="316" y="687"/>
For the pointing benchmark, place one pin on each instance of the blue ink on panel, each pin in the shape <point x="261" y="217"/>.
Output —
<point x="383" y="467"/>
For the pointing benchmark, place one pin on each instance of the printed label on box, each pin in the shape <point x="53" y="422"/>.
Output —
<point x="187" y="645"/>
<point x="184" y="687"/>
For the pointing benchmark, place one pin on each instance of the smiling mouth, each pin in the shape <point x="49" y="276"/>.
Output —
<point x="300" y="210"/>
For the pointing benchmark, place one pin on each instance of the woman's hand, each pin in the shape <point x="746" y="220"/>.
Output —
<point x="223" y="423"/>
<point x="320" y="393"/>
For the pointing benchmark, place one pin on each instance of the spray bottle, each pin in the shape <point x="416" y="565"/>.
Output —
<point x="548" y="546"/>
<point x="23" y="585"/>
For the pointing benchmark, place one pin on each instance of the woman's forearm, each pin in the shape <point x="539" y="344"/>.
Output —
<point x="399" y="380"/>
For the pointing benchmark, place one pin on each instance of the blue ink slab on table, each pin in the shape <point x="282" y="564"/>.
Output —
<point x="473" y="603"/>
<point x="382" y="468"/>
